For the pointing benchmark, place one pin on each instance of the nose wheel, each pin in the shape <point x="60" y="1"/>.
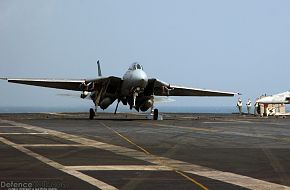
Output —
<point x="92" y="114"/>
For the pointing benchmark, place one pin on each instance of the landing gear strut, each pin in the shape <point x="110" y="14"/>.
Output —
<point x="135" y="94"/>
<point x="117" y="107"/>
<point x="92" y="114"/>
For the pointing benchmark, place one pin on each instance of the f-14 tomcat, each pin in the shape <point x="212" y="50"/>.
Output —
<point x="134" y="89"/>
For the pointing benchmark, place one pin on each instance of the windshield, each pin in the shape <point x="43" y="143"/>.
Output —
<point x="135" y="66"/>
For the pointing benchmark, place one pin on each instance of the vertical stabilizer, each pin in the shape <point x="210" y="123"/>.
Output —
<point x="99" y="69"/>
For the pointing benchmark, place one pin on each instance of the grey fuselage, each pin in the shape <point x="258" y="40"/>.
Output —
<point x="131" y="91"/>
<point x="134" y="80"/>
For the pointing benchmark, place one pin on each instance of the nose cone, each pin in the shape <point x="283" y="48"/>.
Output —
<point x="140" y="78"/>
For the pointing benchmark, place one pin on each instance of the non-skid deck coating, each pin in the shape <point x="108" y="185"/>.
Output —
<point x="126" y="151"/>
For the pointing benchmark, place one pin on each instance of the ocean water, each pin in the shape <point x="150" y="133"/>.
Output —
<point x="167" y="109"/>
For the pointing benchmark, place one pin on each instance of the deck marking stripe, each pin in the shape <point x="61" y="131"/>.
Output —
<point x="181" y="127"/>
<point x="239" y="180"/>
<point x="88" y="179"/>
<point x="146" y="152"/>
<point x="191" y="179"/>
<point x="53" y="145"/>
<point x="24" y="134"/>
<point x="227" y="177"/>
<point x="8" y="126"/>
<point x="125" y="138"/>
<point x="58" y="114"/>
<point x="220" y="132"/>
<point x="227" y="121"/>
<point x="120" y="168"/>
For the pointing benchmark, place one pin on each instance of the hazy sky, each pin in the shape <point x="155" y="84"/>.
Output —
<point x="241" y="46"/>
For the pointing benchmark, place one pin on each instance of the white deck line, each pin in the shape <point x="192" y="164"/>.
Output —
<point x="44" y="133"/>
<point x="53" y="145"/>
<point x="120" y="168"/>
<point x="227" y="177"/>
<point x="243" y="181"/>
<point x="88" y="179"/>
<point x="8" y="126"/>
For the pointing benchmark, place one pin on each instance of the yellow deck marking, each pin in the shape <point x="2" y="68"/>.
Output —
<point x="192" y="180"/>
<point x="227" y="177"/>
<point x="146" y="152"/>
<point x="126" y="139"/>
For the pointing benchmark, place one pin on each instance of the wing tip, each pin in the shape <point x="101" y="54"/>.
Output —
<point x="3" y="78"/>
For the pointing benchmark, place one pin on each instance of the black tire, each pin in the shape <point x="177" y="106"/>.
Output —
<point x="155" y="114"/>
<point x="92" y="114"/>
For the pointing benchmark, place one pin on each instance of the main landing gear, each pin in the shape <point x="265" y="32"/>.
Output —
<point x="92" y="114"/>
<point x="155" y="114"/>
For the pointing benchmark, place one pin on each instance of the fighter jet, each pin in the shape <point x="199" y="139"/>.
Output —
<point x="134" y="89"/>
<point x="281" y="98"/>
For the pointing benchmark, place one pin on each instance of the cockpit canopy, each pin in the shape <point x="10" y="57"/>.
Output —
<point x="135" y="66"/>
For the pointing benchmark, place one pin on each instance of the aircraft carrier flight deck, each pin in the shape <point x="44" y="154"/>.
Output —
<point x="127" y="151"/>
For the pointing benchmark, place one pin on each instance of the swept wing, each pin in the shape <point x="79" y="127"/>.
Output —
<point x="164" y="89"/>
<point x="66" y="84"/>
